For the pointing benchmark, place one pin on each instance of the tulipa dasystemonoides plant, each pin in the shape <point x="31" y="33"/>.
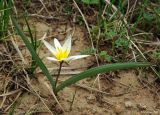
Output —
<point x="61" y="54"/>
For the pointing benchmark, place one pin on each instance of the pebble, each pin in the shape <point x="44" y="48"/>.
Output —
<point x="118" y="109"/>
<point x="91" y="99"/>
<point x="141" y="106"/>
<point x="129" y="104"/>
<point x="156" y="112"/>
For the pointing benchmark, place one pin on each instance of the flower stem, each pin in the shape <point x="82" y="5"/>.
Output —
<point x="59" y="71"/>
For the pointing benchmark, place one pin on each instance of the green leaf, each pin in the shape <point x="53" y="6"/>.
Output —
<point x="105" y="56"/>
<point x="121" y="42"/>
<point x="34" y="54"/>
<point x="88" y="51"/>
<point x="5" y="12"/>
<point x="148" y="16"/>
<point x="100" y="69"/>
<point x="90" y="1"/>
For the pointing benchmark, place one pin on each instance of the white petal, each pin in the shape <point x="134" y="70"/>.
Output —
<point x="52" y="59"/>
<point x="67" y="44"/>
<point x="50" y="47"/>
<point x="75" y="57"/>
<point x="57" y="44"/>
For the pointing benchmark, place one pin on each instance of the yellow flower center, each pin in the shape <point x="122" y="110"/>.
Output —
<point x="61" y="53"/>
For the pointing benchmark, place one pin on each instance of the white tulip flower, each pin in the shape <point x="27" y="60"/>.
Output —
<point x="61" y="53"/>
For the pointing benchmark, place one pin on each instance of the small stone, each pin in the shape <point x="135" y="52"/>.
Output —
<point x="118" y="109"/>
<point x="94" y="111"/>
<point x="156" y="112"/>
<point x="128" y="104"/>
<point x="91" y="99"/>
<point x="141" y="106"/>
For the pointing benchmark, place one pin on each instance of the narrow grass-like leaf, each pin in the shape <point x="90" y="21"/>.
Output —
<point x="90" y="1"/>
<point x="33" y="42"/>
<point x="5" y="11"/>
<point x="100" y="69"/>
<point x="34" y="54"/>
